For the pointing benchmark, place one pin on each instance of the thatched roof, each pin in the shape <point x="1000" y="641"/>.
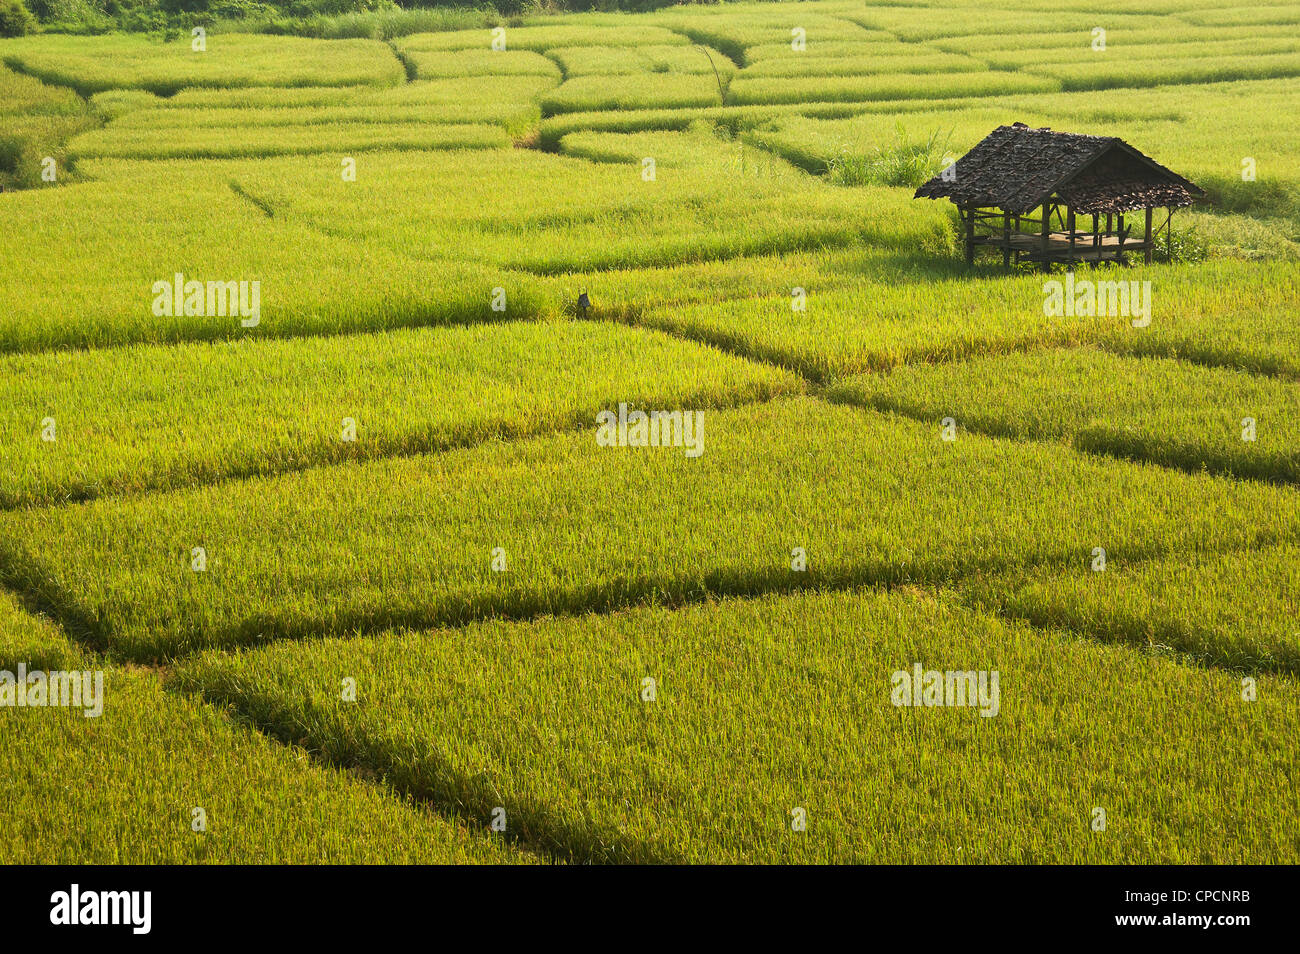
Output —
<point x="1017" y="168"/>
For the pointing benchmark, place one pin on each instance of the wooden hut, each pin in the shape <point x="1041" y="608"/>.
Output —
<point x="1029" y="192"/>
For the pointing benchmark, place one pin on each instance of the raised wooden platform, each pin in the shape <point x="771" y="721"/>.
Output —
<point x="1086" y="247"/>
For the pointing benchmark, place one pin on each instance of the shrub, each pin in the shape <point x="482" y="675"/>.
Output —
<point x="15" y="18"/>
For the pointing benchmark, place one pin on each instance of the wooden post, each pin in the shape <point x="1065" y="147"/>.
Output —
<point x="1147" y="239"/>
<point x="1096" y="239"/>
<point x="1069" y="227"/>
<point x="1006" y="239"/>
<point x="970" y="236"/>
<point x="1047" y="225"/>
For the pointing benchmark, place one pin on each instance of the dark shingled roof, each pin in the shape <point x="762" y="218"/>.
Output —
<point x="1017" y="168"/>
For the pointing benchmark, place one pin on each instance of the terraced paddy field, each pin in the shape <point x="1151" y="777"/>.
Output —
<point x="387" y="545"/>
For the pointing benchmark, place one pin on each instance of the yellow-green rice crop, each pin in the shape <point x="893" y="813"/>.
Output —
<point x="1156" y="409"/>
<point x="623" y="60"/>
<point x="158" y="757"/>
<point x="32" y="641"/>
<point x="245" y="407"/>
<point x="633" y="91"/>
<point x="582" y="526"/>
<point x="764" y="708"/>
<point x="452" y="64"/>
<point x="882" y="86"/>
<point x="124" y="233"/>
<point x="91" y="64"/>
<point x="237" y="142"/>
<point x="542" y="38"/>
<point x="731" y="185"/>
<point x="729" y="201"/>
<point x="1233" y="609"/>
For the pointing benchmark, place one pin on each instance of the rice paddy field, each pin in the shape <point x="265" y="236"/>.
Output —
<point x="322" y="363"/>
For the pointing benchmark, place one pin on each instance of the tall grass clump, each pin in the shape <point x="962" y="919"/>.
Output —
<point x="903" y="162"/>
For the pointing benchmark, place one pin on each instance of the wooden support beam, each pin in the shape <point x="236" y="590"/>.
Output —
<point x="1047" y="227"/>
<point x="1006" y="239"/>
<point x="1069" y="227"/>
<point x="970" y="236"/>
<point x="1147" y="237"/>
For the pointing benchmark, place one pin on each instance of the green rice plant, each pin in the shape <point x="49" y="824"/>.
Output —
<point x="244" y="407"/>
<point x="36" y="121"/>
<point x="484" y="99"/>
<point x="239" y="141"/>
<point x="853" y="145"/>
<point x="32" y="641"/>
<point x="1219" y="235"/>
<point x="539" y="39"/>
<point x="854" y="134"/>
<point x="1262" y="15"/>
<point x="451" y="64"/>
<point x="116" y="103"/>
<point x="701" y="147"/>
<point x="1186" y="128"/>
<point x="26" y="141"/>
<point x="1049" y="40"/>
<point x="930" y="23"/>
<point x="1206" y="69"/>
<point x="765" y="56"/>
<point x="1130" y="53"/>
<point x="106" y="244"/>
<point x="24" y="95"/>
<point x="900" y="312"/>
<point x="769" y="712"/>
<point x="1235" y="609"/>
<point x="160" y="756"/>
<point x="864" y="64"/>
<point x="260" y="97"/>
<point x="636" y="91"/>
<point x="811" y="89"/>
<point x="876" y="320"/>
<point x="1151" y="6"/>
<point x="625" y="60"/>
<point x="725" y="204"/>
<point x="1261" y="341"/>
<point x="632" y="294"/>
<point x="1254" y="333"/>
<point x="510" y="100"/>
<point x="736" y="30"/>
<point x="412" y="541"/>
<point x="555" y="128"/>
<point x="629" y="148"/>
<point x="476" y="493"/>
<point x="1152" y="409"/>
<point x="92" y="64"/>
